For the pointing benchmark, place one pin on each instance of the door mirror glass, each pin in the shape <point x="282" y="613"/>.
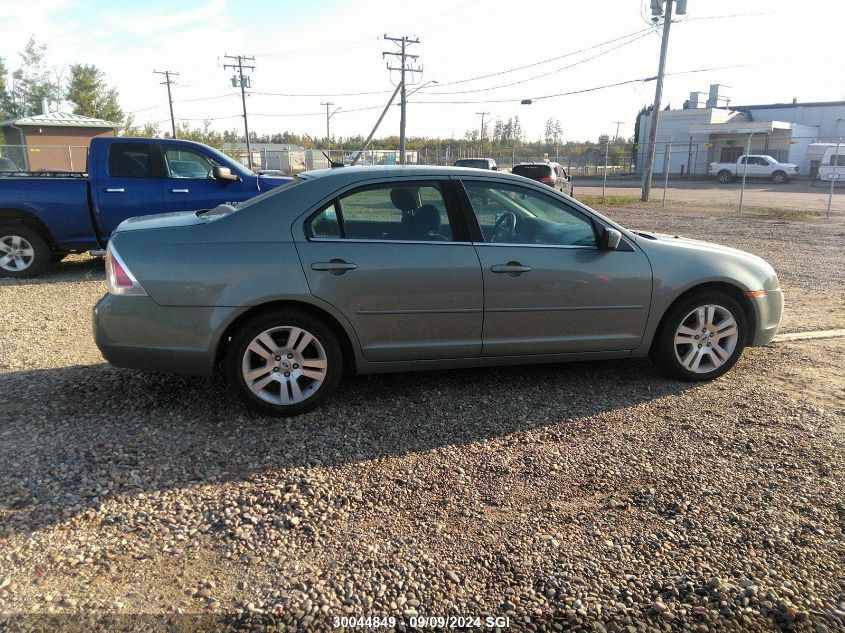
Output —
<point x="610" y="239"/>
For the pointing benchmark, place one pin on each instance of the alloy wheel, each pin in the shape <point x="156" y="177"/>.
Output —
<point x="706" y="338"/>
<point x="284" y="365"/>
<point x="16" y="253"/>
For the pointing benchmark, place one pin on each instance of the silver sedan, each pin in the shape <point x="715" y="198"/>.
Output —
<point x="382" y="269"/>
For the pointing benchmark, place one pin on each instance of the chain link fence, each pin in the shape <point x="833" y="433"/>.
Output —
<point x="801" y="176"/>
<point x="35" y="158"/>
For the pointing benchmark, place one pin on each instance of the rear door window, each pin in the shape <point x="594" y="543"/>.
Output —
<point x="394" y="211"/>
<point x="130" y="160"/>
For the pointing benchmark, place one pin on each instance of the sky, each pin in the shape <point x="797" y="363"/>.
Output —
<point x="765" y="51"/>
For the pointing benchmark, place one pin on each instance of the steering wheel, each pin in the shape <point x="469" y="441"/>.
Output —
<point x="504" y="227"/>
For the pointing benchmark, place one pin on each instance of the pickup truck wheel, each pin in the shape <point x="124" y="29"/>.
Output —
<point x="283" y="363"/>
<point x="725" y="176"/>
<point x="23" y="252"/>
<point x="779" y="177"/>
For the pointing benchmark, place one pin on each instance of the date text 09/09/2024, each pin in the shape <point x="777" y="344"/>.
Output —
<point x="423" y="622"/>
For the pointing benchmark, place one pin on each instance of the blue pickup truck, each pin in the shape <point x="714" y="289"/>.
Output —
<point x="46" y="215"/>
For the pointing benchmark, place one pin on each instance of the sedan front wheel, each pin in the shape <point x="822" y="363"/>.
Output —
<point x="701" y="338"/>
<point x="283" y="363"/>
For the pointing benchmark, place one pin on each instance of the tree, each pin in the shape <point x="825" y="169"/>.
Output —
<point x="32" y="82"/>
<point x="553" y="132"/>
<point x="202" y="134"/>
<point x="90" y="95"/>
<point x="129" y="128"/>
<point x="4" y="91"/>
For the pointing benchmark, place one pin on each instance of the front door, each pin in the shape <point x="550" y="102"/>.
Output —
<point x="394" y="261"/>
<point x="548" y="288"/>
<point x="190" y="184"/>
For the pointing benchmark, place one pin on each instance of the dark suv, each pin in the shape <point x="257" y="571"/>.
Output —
<point x="477" y="163"/>
<point x="551" y="174"/>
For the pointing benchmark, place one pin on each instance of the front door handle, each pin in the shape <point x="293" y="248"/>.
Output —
<point x="179" y="191"/>
<point x="115" y="190"/>
<point x="511" y="268"/>
<point x="335" y="266"/>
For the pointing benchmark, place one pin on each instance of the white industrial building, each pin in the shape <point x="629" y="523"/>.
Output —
<point x="712" y="130"/>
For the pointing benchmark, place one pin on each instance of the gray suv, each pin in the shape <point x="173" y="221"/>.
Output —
<point x="381" y="269"/>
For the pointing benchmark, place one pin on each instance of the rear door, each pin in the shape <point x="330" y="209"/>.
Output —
<point x="131" y="185"/>
<point x="547" y="287"/>
<point x="394" y="257"/>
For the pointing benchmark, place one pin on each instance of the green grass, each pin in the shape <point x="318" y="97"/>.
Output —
<point x="609" y="201"/>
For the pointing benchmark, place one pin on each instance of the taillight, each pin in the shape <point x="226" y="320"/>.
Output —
<point x="119" y="279"/>
<point x="548" y="180"/>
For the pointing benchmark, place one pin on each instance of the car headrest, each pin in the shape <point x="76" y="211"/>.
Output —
<point x="427" y="218"/>
<point x="403" y="198"/>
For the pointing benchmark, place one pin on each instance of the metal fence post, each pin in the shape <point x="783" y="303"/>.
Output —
<point x="833" y="175"/>
<point x="745" y="171"/>
<point x="604" y="177"/>
<point x="666" y="157"/>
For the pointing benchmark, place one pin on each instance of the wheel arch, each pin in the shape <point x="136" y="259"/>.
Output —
<point x="19" y="216"/>
<point x="344" y="337"/>
<point x="734" y="292"/>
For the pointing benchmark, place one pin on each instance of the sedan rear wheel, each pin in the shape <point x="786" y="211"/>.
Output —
<point x="283" y="363"/>
<point x="701" y="338"/>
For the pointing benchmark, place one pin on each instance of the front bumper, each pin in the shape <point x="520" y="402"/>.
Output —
<point x="769" y="309"/>
<point x="138" y="333"/>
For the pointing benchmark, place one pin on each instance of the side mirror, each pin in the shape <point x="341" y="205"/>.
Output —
<point x="223" y="173"/>
<point x="610" y="239"/>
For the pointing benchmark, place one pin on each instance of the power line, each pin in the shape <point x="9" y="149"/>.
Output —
<point x="243" y="82"/>
<point x="547" y="74"/>
<point x="168" y="81"/>
<point x="546" y="61"/>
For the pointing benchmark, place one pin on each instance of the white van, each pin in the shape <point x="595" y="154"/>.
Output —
<point x="832" y="166"/>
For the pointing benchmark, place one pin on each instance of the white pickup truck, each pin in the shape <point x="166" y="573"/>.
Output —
<point x="759" y="166"/>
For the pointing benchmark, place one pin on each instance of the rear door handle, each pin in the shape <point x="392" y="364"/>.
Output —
<point x="115" y="190"/>
<point x="511" y="268"/>
<point x="179" y="191"/>
<point x="336" y="266"/>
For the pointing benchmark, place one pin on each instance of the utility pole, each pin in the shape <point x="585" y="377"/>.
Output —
<point x="656" y="10"/>
<point x="481" y="132"/>
<point x="328" y="104"/>
<point x="244" y="83"/>
<point x="403" y="42"/>
<point x="328" y="117"/>
<point x="618" y="123"/>
<point x="167" y="81"/>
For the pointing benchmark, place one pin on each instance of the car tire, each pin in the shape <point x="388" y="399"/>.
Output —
<point x="32" y="252"/>
<point x="779" y="177"/>
<point x="725" y="176"/>
<point x="701" y="337"/>
<point x="299" y="374"/>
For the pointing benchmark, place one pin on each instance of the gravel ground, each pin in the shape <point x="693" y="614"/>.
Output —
<point x="594" y="496"/>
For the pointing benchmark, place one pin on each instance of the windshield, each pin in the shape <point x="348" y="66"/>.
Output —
<point x="474" y="163"/>
<point x="535" y="172"/>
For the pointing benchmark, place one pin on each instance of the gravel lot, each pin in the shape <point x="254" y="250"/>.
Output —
<point x="597" y="496"/>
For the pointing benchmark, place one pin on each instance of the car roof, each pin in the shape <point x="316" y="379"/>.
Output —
<point x="371" y="172"/>
<point x="547" y="164"/>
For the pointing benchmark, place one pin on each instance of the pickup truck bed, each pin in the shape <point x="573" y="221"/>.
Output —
<point x="44" y="215"/>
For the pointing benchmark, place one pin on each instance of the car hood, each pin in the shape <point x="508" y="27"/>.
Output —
<point x="266" y="182"/>
<point x="644" y="237"/>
